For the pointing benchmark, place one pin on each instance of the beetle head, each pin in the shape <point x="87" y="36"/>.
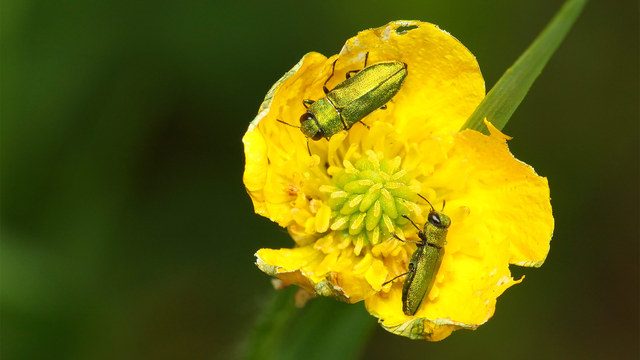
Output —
<point x="439" y="220"/>
<point x="437" y="225"/>
<point x="436" y="228"/>
<point x="310" y="127"/>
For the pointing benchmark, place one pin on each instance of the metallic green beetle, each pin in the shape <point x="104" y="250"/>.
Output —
<point x="425" y="261"/>
<point x="351" y="100"/>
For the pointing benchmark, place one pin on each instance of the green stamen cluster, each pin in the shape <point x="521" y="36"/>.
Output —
<point x="368" y="199"/>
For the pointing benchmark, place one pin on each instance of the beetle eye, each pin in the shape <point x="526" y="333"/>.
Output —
<point x="306" y="116"/>
<point x="434" y="219"/>
<point x="319" y="135"/>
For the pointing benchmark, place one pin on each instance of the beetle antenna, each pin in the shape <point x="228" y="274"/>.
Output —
<point x="425" y="199"/>
<point x="443" y="202"/>
<point x="308" y="148"/>
<point x="286" y="123"/>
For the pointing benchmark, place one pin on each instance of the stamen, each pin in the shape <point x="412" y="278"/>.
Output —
<point x="367" y="197"/>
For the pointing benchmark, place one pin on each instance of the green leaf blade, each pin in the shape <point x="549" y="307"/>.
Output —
<point x="507" y="94"/>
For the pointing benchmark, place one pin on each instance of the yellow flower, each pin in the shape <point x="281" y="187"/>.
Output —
<point x="343" y="202"/>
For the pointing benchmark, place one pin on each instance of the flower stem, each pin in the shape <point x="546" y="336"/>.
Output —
<point x="323" y="329"/>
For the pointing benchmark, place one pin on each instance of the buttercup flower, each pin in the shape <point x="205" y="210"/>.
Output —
<point x="343" y="199"/>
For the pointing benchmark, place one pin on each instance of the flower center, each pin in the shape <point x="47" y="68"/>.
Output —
<point x="368" y="199"/>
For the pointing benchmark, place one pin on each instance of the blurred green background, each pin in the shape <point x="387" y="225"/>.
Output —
<point x="126" y="230"/>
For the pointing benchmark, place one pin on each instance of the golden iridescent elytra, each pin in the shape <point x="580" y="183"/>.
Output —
<point x="426" y="260"/>
<point x="360" y="94"/>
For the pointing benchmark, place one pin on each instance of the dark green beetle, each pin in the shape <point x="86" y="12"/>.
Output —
<point x="359" y="95"/>
<point x="425" y="261"/>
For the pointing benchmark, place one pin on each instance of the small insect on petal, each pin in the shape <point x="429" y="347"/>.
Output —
<point x="425" y="262"/>
<point x="363" y="92"/>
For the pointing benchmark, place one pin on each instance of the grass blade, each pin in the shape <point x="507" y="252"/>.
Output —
<point x="507" y="94"/>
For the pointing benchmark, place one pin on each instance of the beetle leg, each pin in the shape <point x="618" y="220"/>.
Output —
<point x="397" y="237"/>
<point x="386" y="282"/>
<point x="365" y="125"/>
<point x="333" y="70"/>
<point x="307" y="102"/>
<point x="351" y="72"/>
<point x="407" y="241"/>
<point x="414" y="224"/>
<point x="383" y="107"/>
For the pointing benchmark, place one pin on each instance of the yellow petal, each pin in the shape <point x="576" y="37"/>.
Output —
<point x="444" y="84"/>
<point x="503" y="193"/>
